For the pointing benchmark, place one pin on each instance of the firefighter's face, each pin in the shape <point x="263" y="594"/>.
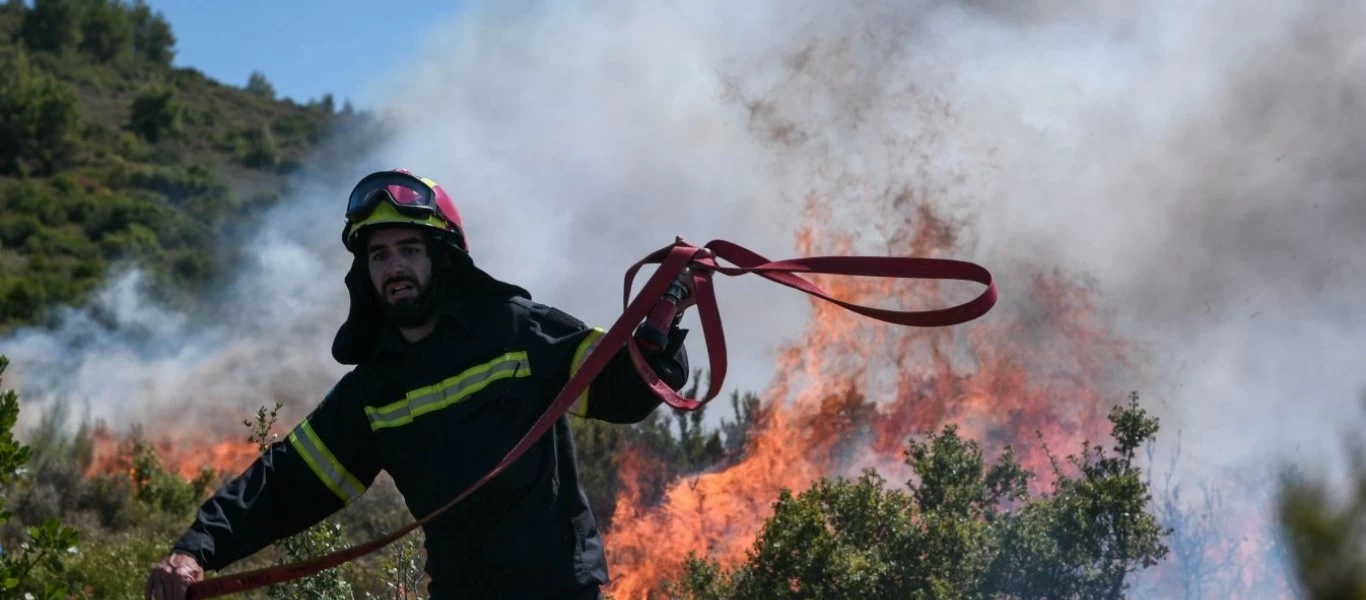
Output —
<point x="400" y="269"/>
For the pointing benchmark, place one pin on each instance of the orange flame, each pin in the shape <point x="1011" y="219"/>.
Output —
<point x="184" y="456"/>
<point x="995" y="378"/>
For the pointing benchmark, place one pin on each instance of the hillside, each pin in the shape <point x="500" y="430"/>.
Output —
<point x="109" y="156"/>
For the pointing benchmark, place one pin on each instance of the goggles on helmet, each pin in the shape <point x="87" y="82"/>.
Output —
<point x="409" y="195"/>
<point x="392" y="197"/>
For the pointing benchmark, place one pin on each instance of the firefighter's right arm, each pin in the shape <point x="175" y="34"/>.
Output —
<point x="325" y="463"/>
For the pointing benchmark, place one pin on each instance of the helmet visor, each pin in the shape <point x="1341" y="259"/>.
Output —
<point x="409" y="195"/>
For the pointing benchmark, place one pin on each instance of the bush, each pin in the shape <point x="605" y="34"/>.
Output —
<point x="106" y="30"/>
<point x="259" y="149"/>
<point x="15" y="229"/>
<point x="181" y="184"/>
<point x="117" y="212"/>
<point x="137" y="241"/>
<point x="48" y="545"/>
<point x="259" y="85"/>
<point x="52" y="25"/>
<point x="33" y="198"/>
<point x="38" y="117"/>
<point x="156" y="112"/>
<point x="61" y="242"/>
<point x="153" y="39"/>
<point x="193" y="266"/>
<point x="964" y="530"/>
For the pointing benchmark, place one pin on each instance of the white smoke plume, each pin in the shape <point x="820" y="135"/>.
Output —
<point x="1199" y="162"/>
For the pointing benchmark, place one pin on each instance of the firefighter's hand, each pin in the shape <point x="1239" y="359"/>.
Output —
<point x="171" y="578"/>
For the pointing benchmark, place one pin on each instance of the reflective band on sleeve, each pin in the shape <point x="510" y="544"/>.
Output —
<point x="324" y="464"/>
<point x="447" y="392"/>
<point x="580" y="406"/>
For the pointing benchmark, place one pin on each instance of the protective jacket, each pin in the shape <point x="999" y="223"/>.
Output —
<point x="437" y="415"/>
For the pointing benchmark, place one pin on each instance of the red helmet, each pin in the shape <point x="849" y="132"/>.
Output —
<point x="399" y="196"/>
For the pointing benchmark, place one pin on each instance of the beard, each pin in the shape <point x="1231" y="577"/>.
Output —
<point x="414" y="311"/>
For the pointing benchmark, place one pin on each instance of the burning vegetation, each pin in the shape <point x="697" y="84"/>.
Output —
<point x="916" y="428"/>
<point x="821" y="418"/>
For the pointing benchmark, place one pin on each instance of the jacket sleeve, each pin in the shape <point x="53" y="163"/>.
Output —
<point x="324" y="464"/>
<point x="618" y="394"/>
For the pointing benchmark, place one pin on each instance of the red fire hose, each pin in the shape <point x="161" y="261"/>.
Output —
<point x="672" y="260"/>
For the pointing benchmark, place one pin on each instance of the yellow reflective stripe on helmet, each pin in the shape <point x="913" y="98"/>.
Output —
<point x="580" y="406"/>
<point x="386" y="213"/>
<point x="447" y="392"/>
<point x="324" y="464"/>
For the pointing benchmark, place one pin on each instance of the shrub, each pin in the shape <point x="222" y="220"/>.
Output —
<point x="49" y="544"/>
<point x="259" y="149"/>
<point x="153" y="39"/>
<point x="156" y="112"/>
<point x="180" y="184"/>
<point x="15" y="229"/>
<point x="52" y="25"/>
<point x="259" y="85"/>
<point x="38" y="117"/>
<point x="137" y="240"/>
<point x="964" y="529"/>
<point x="106" y="30"/>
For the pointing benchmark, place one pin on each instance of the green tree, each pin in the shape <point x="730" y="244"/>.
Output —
<point x="106" y="30"/>
<point x="966" y="529"/>
<point x="48" y="544"/>
<point x="259" y="85"/>
<point x="156" y="112"/>
<point x="38" y="118"/>
<point x="153" y="39"/>
<point x="52" y="25"/>
<point x="1325" y="531"/>
<point x="259" y="149"/>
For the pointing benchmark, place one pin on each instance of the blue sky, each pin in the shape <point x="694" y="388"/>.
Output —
<point x="306" y="48"/>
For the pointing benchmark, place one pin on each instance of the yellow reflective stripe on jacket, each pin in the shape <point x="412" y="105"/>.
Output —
<point x="580" y="406"/>
<point x="450" y="391"/>
<point x="324" y="464"/>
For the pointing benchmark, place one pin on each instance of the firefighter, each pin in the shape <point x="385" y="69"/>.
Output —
<point x="452" y="367"/>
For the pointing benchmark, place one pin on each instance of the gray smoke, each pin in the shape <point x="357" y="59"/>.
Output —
<point x="1200" y="163"/>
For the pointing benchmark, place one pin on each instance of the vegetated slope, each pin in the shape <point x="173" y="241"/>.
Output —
<point x="110" y="156"/>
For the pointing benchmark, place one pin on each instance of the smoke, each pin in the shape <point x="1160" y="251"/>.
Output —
<point x="1197" y="163"/>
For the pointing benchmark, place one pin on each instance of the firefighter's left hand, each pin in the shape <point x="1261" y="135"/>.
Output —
<point x="171" y="578"/>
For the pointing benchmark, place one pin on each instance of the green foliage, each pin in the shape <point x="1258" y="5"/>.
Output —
<point x="259" y="149"/>
<point x="196" y="188"/>
<point x="164" y="491"/>
<point x="48" y="544"/>
<point x="53" y="25"/>
<point x="258" y="84"/>
<point x="153" y="39"/>
<point x="38" y="117"/>
<point x="1325" y="530"/>
<point x="106" y="30"/>
<point x="156" y="112"/>
<point x="318" y="540"/>
<point x="966" y="529"/>
<point x="15" y="229"/>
